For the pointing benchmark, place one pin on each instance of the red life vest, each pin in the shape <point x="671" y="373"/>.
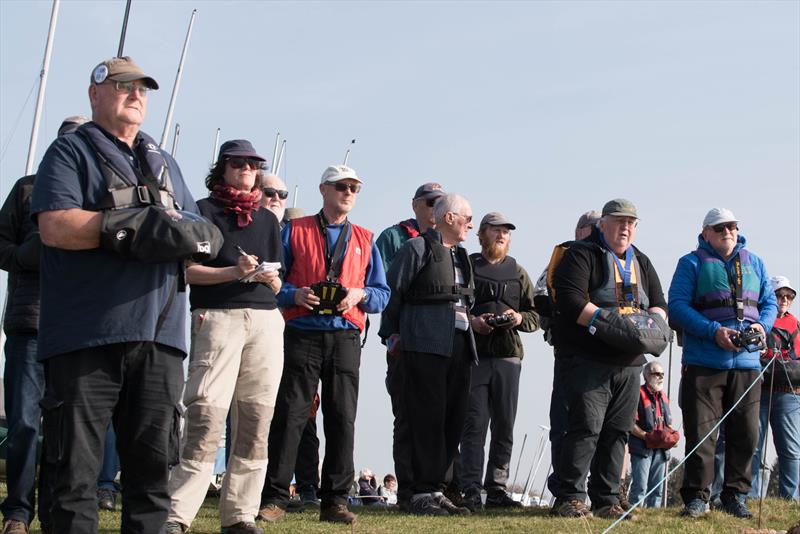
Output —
<point x="308" y="267"/>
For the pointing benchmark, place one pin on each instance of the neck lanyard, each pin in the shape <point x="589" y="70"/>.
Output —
<point x="736" y="287"/>
<point x="625" y="272"/>
<point x="333" y="262"/>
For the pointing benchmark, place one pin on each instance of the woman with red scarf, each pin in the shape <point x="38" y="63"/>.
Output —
<point x="236" y="347"/>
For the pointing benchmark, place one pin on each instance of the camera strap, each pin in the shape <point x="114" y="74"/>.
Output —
<point x="736" y="288"/>
<point x="333" y="262"/>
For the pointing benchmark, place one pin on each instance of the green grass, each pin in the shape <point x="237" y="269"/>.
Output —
<point x="777" y="515"/>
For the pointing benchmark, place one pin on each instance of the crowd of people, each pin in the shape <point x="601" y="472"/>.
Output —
<point x="279" y="304"/>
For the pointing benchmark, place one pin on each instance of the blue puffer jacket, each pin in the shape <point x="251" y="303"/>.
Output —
<point x="699" y="347"/>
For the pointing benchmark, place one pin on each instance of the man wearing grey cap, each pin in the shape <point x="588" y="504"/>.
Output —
<point x="111" y="329"/>
<point x="334" y="278"/>
<point x="23" y="379"/>
<point x="389" y="242"/>
<point x="604" y="286"/>
<point x="720" y="293"/>
<point x="503" y="308"/>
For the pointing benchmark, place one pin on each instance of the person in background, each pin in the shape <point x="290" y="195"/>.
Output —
<point x="388" y="489"/>
<point x="783" y="379"/>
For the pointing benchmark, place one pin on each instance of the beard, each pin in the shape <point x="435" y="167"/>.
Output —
<point x="495" y="252"/>
<point x="655" y="385"/>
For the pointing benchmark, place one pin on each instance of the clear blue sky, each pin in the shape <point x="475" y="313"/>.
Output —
<point x="541" y="110"/>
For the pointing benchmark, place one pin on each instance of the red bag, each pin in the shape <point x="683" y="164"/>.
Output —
<point x="666" y="438"/>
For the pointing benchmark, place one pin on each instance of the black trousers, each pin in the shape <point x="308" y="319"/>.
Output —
<point x="401" y="437"/>
<point x="559" y="414"/>
<point x="494" y="391"/>
<point x="334" y="357"/>
<point x="436" y="394"/>
<point x="306" y="467"/>
<point x="138" y="386"/>
<point x="602" y="403"/>
<point x="705" y="395"/>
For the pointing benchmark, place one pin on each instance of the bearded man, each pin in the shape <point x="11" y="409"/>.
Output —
<point x="503" y="307"/>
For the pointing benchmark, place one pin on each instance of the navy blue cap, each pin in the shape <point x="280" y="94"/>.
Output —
<point x="239" y="147"/>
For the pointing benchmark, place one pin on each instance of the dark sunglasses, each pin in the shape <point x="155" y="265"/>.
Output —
<point x="237" y="162"/>
<point x="659" y="375"/>
<point x="430" y="202"/>
<point x="271" y="192"/>
<point x="339" y="186"/>
<point x="719" y="228"/>
<point x="787" y="296"/>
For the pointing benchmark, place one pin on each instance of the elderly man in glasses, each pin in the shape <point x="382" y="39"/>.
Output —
<point x="111" y="329"/>
<point x="605" y="287"/>
<point x="720" y="295"/>
<point x="274" y="196"/>
<point x="651" y="438"/>
<point x="389" y="242"/>
<point x="334" y="278"/>
<point x="427" y="325"/>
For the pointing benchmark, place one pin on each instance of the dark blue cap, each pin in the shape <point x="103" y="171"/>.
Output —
<point x="239" y="147"/>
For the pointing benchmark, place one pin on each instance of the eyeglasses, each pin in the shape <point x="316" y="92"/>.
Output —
<point x="129" y="87"/>
<point x="339" y="186"/>
<point x="237" y="162"/>
<point x="431" y="202"/>
<point x="659" y="375"/>
<point x="271" y="192"/>
<point x="784" y="296"/>
<point x="624" y="221"/>
<point x="467" y="218"/>
<point x="720" y="228"/>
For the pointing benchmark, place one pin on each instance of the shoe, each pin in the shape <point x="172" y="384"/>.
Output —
<point x="613" y="511"/>
<point x="501" y="499"/>
<point x="12" y="526"/>
<point x="309" y="498"/>
<point x="337" y="513"/>
<point x="624" y="503"/>
<point x="295" y="506"/>
<point x="573" y="508"/>
<point x="453" y="494"/>
<point x="173" y="527"/>
<point x="106" y="499"/>
<point x="736" y="507"/>
<point x="242" y="527"/>
<point x="448" y="506"/>
<point x="424" y="504"/>
<point x="694" y="509"/>
<point x="271" y="513"/>
<point x="472" y="500"/>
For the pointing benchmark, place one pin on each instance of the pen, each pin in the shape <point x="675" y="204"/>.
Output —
<point x="240" y="250"/>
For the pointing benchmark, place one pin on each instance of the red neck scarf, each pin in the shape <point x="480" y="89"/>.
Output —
<point x="240" y="203"/>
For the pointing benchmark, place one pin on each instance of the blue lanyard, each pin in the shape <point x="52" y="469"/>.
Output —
<point x="624" y="271"/>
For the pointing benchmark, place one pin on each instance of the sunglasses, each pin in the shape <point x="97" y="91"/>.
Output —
<point x="720" y="228"/>
<point x="431" y="202"/>
<point x="271" y="192"/>
<point x="467" y="218"/>
<point x="129" y="87"/>
<point x="659" y="375"/>
<point x="782" y="296"/>
<point x="237" y="162"/>
<point x="339" y="186"/>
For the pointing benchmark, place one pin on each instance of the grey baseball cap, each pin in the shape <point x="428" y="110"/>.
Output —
<point x="71" y="124"/>
<point x="428" y="191"/>
<point x="620" y="207"/>
<point x="717" y="216"/>
<point x="495" y="218"/>
<point x="589" y="218"/>
<point x="121" y="69"/>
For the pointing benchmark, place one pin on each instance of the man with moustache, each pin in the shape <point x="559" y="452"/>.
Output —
<point x="601" y="284"/>
<point x="427" y="324"/>
<point x="111" y="329"/>
<point x="719" y="291"/>
<point x="334" y="278"/>
<point x="389" y="242"/>
<point x="504" y="293"/>
<point x="648" y="447"/>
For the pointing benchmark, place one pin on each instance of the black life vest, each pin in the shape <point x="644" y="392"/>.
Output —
<point x="436" y="282"/>
<point x="129" y="187"/>
<point x="497" y="286"/>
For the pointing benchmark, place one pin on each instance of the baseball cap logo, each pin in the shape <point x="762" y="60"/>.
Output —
<point x="100" y="73"/>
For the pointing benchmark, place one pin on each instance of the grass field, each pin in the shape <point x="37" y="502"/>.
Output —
<point x="777" y="515"/>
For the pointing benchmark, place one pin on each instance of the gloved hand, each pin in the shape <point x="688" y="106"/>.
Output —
<point x="664" y="438"/>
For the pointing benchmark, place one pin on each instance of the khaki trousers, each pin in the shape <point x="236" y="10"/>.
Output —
<point x="236" y="363"/>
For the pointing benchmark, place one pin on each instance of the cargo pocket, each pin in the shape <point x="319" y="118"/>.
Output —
<point x="174" y="450"/>
<point x="52" y="429"/>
